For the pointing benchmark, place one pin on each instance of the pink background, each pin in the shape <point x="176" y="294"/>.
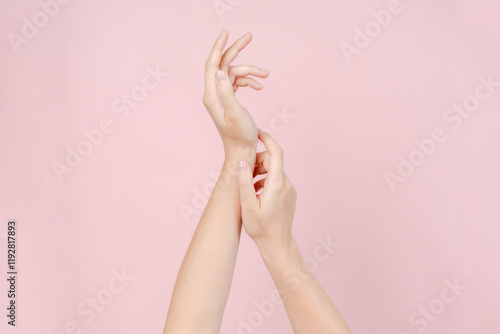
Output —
<point x="347" y="125"/>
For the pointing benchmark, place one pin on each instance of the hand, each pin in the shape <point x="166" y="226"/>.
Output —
<point x="234" y="123"/>
<point x="268" y="216"/>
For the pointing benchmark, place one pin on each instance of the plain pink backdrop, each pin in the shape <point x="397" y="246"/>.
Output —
<point x="124" y="206"/>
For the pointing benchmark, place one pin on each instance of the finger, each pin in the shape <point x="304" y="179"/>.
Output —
<point x="244" y="82"/>
<point x="259" y="185"/>
<point x="275" y="153"/>
<point x="212" y="63"/>
<point x="261" y="157"/>
<point x="225" y="92"/>
<point x="244" y="70"/>
<point x="233" y="51"/>
<point x="259" y="170"/>
<point x="248" y="198"/>
<point x="261" y="163"/>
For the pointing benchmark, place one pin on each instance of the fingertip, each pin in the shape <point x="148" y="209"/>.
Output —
<point x="223" y="37"/>
<point x="247" y="38"/>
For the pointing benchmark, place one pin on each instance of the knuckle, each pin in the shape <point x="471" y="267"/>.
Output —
<point x="246" y="185"/>
<point x="279" y="189"/>
<point x="224" y="97"/>
<point x="247" y="210"/>
<point x="231" y="119"/>
<point x="206" y="101"/>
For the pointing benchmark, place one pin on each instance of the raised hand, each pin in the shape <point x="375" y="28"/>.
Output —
<point x="204" y="280"/>
<point x="234" y="123"/>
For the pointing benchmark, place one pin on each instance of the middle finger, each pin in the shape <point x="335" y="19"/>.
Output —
<point x="234" y="50"/>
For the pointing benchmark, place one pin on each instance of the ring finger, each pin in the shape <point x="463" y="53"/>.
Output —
<point x="244" y="70"/>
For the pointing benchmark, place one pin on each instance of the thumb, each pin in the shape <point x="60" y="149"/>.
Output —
<point x="225" y="91"/>
<point x="248" y="198"/>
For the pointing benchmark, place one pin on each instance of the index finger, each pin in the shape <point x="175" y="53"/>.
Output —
<point x="212" y="63"/>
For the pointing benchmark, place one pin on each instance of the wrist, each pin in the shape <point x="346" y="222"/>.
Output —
<point x="234" y="153"/>
<point x="240" y="146"/>
<point x="286" y="251"/>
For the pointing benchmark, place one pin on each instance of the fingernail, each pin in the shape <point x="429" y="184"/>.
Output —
<point x="264" y="70"/>
<point x="221" y="33"/>
<point x="220" y="76"/>
<point x="242" y="166"/>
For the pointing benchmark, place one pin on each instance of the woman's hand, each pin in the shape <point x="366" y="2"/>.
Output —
<point x="267" y="219"/>
<point x="234" y="123"/>
<point x="268" y="216"/>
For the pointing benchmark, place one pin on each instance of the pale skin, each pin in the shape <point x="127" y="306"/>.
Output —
<point x="264" y="208"/>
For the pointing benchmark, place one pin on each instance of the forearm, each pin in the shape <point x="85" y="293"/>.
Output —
<point x="309" y="308"/>
<point x="203" y="283"/>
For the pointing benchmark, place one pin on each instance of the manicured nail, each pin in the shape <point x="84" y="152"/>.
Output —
<point x="221" y="33"/>
<point x="242" y="166"/>
<point x="264" y="70"/>
<point x="220" y="76"/>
